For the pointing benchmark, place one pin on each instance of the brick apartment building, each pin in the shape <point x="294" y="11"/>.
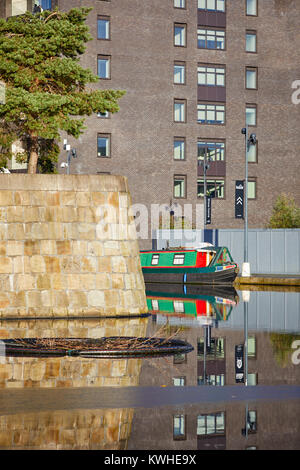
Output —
<point x="194" y="71"/>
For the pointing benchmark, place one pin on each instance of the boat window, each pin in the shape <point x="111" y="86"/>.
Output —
<point x="178" y="259"/>
<point x="155" y="259"/>
<point x="224" y="257"/>
<point x="178" y="306"/>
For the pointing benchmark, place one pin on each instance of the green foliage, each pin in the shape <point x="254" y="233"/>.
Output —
<point x="46" y="87"/>
<point x="285" y="214"/>
<point x="282" y="347"/>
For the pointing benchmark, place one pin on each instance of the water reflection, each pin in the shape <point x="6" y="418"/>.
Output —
<point x="264" y="326"/>
<point x="186" y="401"/>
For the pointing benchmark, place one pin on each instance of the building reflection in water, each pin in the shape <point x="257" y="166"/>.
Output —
<point x="214" y="323"/>
<point x="204" y="316"/>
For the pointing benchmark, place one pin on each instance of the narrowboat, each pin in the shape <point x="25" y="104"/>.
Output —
<point x="191" y="302"/>
<point x="204" y="265"/>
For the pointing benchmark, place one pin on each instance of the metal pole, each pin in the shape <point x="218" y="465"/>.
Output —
<point x="69" y="162"/>
<point x="246" y="198"/>
<point x="205" y="188"/>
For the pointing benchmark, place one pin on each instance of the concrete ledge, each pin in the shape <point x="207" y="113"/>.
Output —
<point x="267" y="279"/>
<point x="85" y="183"/>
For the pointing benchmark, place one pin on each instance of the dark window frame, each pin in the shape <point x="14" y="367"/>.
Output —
<point x="250" y="14"/>
<point x="212" y="66"/>
<point x="207" y="28"/>
<point x="255" y="69"/>
<point x="254" y="106"/>
<point x="184" y="103"/>
<point x="215" y="9"/>
<point x="104" y="135"/>
<point x="104" y="57"/>
<point x="214" y="179"/>
<point x="179" y="63"/>
<point x="202" y="103"/>
<point x="212" y="141"/>
<point x="251" y="32"/>
<point x="179" y="139"/>
<point x="180" y="178"/>
<point x="184" y="27"/>
<point x="106" y="18"/>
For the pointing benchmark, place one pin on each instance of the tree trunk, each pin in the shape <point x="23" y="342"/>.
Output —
<point x="33" y="158"/>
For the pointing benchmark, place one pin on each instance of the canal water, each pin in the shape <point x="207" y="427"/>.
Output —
<point x="237" y="389"/>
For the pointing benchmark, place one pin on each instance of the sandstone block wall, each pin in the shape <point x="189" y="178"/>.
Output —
<point x="68" y="247"/>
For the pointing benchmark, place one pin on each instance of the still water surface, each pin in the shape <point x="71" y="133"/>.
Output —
<point x="239" y="388"/>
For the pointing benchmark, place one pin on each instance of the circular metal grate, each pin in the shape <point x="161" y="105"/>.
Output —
<point x="114" y="346"/>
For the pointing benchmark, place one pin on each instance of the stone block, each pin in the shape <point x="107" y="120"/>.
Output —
<point x="52" y="198"/>
<point x="63" y="247"/>
<point x="5" y="264"/>
<point x="14" y="248"/>
<point x="52" y="264"/>
<point x="96" y="298"/>
<point x="31" y="247"/>
<point x="6" y="198"/>
<point x="48" y="247"/>
<point x="38" y="264"/>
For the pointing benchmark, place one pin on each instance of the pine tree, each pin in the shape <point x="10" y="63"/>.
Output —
<point x="46" y="87"/>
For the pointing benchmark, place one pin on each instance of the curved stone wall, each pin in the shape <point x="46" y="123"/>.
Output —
<point x="68" y="247"/>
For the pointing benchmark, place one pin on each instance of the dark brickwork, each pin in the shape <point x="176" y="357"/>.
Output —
<point x="142" y="53"/>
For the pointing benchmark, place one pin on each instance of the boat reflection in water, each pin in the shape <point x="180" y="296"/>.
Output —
<point x="191" y="304"/>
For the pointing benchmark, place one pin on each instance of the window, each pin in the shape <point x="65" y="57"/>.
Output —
<point x="180" y="358"/>
<point x="252" y="379"/>
<point x="179" y="148"/>
<point x="178" y="306"/>
<point x="155" y="305"/>
<point x="211" y="5"/>
<point x="179" y="427"/>
<point x="211" y="113"/>
<point x="104" y="67"/>
<point x="103" y="27"/>
<point x="103" y="145"/>
<point x="252" y="189"/>
<point x="251" y="421"/>
<point x="179" y="3"/>
<point x="251" y="115"/>
<point x="214" y="151"/>
<point x="104" y="115"/>
<point x="178" y="259"/>
<point x="252" y="154"/>
<point x="179" y="73"/>
<point x="155" y="259"/>
<point x="211" y="75"/>
<point x="211" y="38"/>
<point x="215" y="351"/>
<point x="212" y="379"/>
<point x="46" y="4"/>
<point x="251" y="342"/>
<point x="178" y="381"/>
<point x="180" y="35"/>
<point x="179" y="110"/>
<point x="251" y="42"/>
<point x="208" y="424"/>
<point x="251" y="7"/>
<point x="179" y="186"/>
<point x="251" y="78"/>
<point x="214" y="188"/>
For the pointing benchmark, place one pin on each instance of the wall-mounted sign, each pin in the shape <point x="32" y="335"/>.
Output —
<point x="208" y="210"/>
<point x="239" y="199"/>
<point x="239" y="364"/>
